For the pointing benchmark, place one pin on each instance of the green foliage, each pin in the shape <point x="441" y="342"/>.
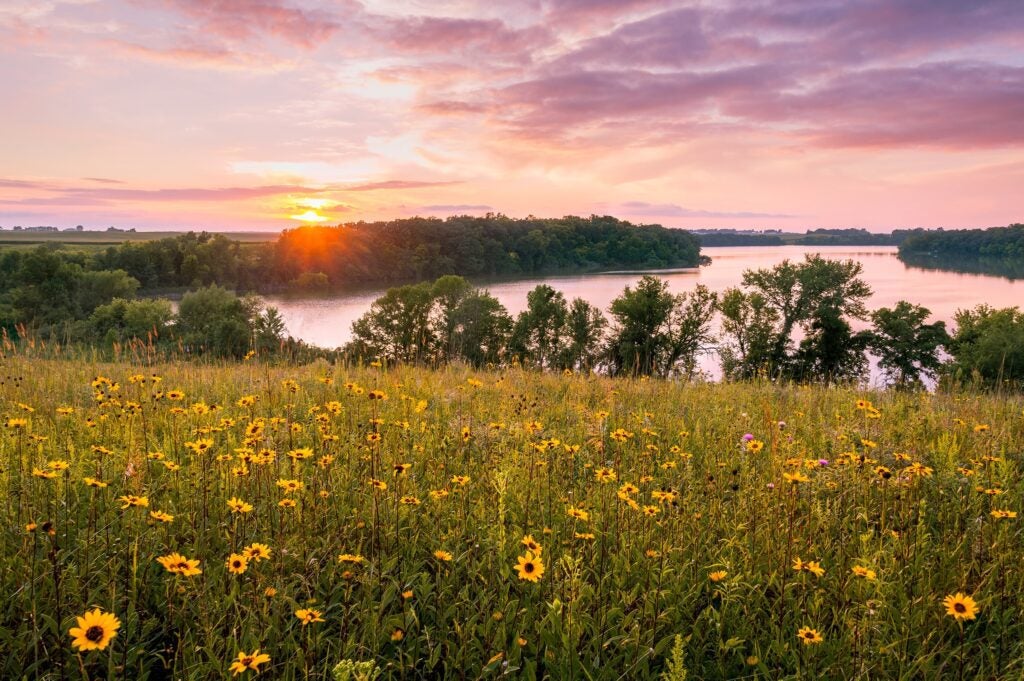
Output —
<point x="994" y="251"/>
<point x="448" y="293"/>
<point x="997" y="243"/>
<point x="584" y="334"/>
<point x="812" y="237"/>
<point x="416" y="249"/>
<point x="99" y="287"/>
<point x="214" y="320"/>
<point x="439" y="322"/>
<point x="656" y="332"/>
<point x="398" y="325"/>
<point x="817" y="296"/>
<point x="122" y="320"/>
<point x="748" y="334"/>
<point x="266" y="325"/>
<point x="539" y="333"/>
<point x="907" y="348"/>
<point x="988" y="346"/>
<point x="481" y="329"/>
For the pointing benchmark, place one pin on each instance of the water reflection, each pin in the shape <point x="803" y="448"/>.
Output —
<point x="993" y="267"/>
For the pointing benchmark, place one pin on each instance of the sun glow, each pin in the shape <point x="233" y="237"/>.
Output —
<point x="310" y="217"/>
<point x="315" y="204"/>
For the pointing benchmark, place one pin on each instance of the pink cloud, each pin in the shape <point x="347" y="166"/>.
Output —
<point x="244" y="20"/>
<point x="673" y="210"/>
<point x="397" y="184"/>
<point x="443" y="35"/>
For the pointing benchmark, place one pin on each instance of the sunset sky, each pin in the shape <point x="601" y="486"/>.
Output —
<point x="261" y="114"/>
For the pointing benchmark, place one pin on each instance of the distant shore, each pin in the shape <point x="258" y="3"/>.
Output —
<point x="670" y="270"/>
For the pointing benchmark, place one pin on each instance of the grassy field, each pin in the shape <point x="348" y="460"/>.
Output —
<point x="472" y="525"/>
<point x="97" y="240"/>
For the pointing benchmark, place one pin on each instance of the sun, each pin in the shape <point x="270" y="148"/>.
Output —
<point x="309" y="217"/>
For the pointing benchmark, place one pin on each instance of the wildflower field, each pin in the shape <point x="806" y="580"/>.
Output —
<point x="206" y="521"/>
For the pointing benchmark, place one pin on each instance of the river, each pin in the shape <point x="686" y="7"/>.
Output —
<point x="327" y="321"/>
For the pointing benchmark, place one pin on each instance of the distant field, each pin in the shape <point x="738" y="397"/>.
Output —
<point x="91" y="240"/>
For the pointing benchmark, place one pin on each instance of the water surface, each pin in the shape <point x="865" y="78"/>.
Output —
<point x="327" y="321"/>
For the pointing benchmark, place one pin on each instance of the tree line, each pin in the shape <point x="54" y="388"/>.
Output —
<point x="995" y="242"/>
<point x="51" y="285"/>
<point x="812" y="237"/>
<point x="91" y="296"/>
<point x="794" y="321"/>
<point x="994" y="251"/>
<point x="375" y="253"/>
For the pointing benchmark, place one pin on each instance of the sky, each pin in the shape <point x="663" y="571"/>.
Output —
<point x="266" y="114"/>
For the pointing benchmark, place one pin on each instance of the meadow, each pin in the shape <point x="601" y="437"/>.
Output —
<point x="195" y="521"/>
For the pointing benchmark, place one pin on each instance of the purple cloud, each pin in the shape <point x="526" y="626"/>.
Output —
<point x="951" y="105"/>
<point x="442" y="35"/>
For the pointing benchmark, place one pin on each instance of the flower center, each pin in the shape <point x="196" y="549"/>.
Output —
<point x="94" y="633"/>
<point x="528" y="567"/>
<point x="959" y="607"/>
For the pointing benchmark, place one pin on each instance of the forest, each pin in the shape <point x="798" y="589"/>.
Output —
<point x="994" y="242"/>
<point x="398" y="251"/>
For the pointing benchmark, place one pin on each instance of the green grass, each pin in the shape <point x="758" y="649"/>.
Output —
<point x="620" y="605"/>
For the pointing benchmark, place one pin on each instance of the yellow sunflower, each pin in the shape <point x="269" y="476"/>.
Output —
<point x="248" y="661"/>
<point x="237" y="563"/>
<point x="530" y="567"/>
<point x="810" y="636"/>
<point x="960" y="606"/>
<point x="95" y="630"/>
<point x="308" y="616"/>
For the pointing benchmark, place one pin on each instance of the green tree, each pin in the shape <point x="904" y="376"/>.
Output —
<point x="907" y="348"/>
<point x="448" y="292"/>
<point x="748" y="334"/>
<point x="266" y="325"/>
<point x="831" y="351"/>
<point x="397" y="326"/>
<point x="482" y="325"/>
<point x="988" y="346"/>
<point x="688" y="333"/>
<point x="656" y="332"/>
<point x="121" y="320"/>
<point x="584" y="335"/>
<point x="214" y="320"/>
<point x="539" y="331"/>
<point x="816" y="296"/>
<point x="99" y="287"/>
